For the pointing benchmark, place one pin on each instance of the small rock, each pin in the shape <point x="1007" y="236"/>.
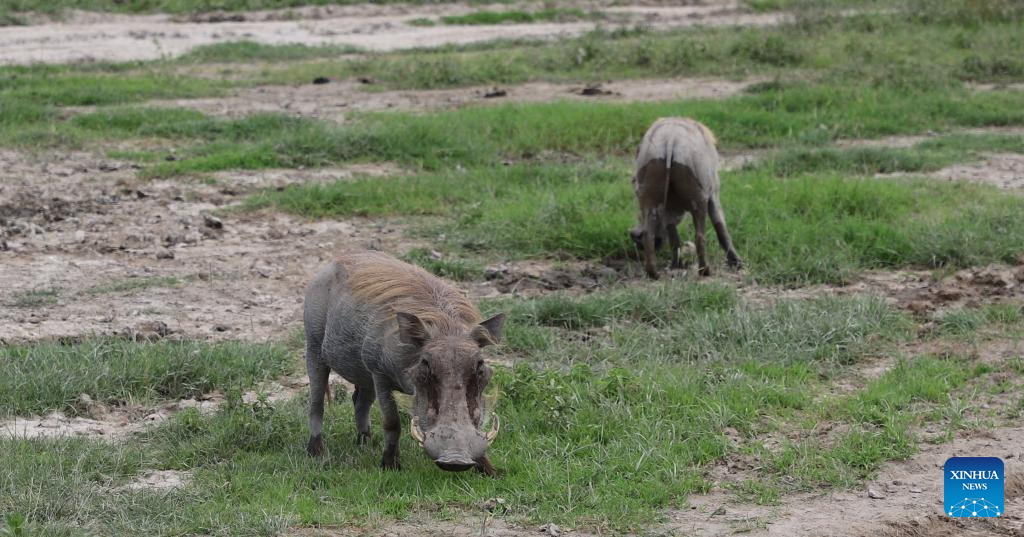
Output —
<point x="594" y="90"/>
<point x="140" y="194"/>
<point x="79" y="236"/>
<point x="96" y="411"/>
<point x="321" y="80"/>
<point x="718" y="512"/>
<point x="550" y="529"/>
<point x="897" y="482"/>
<point x="916" y="490"/>
<point x="495" y="93"/>
<point x="212" y="222"/>
<point x="494" y="505"/>
<point x="108" y="167"/>
<point x="221" y="328"/>
<point x="875" y="495"/>
<point x="149" y="331"/>
<point x="919" y="307"/>
<point x="366" y="80"/>
<point x="165" y="254"/>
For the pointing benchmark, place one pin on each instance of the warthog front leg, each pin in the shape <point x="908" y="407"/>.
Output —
<point x="724" y="240"/>
<point x="699" y="222"/>
<point x="392" y="424"/>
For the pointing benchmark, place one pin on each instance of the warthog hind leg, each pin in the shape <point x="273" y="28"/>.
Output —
<point x="318" y="375"/>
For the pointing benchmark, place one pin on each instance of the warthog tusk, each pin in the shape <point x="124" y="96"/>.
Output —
<point x="414" y="430"/>
<point x="493" y="433"/>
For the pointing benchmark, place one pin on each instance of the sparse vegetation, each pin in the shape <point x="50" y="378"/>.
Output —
<point x="35" y="298"/>
<point x="49" y="376"/>
<point x="134" y="284"/>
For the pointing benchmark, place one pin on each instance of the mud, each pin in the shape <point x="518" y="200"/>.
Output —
<point x="87" y="37"/>
<point x="334" y="100"/>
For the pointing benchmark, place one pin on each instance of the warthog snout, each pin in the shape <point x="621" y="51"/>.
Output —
<point x="455" y="448"/>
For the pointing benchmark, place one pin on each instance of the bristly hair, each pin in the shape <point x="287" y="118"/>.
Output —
<point x="710" y="136"/>
<point x="380" y="279"/>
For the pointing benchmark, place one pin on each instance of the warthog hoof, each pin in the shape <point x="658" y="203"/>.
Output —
<point x="362" y="439"/>
<point x="315" y="447"/>
<point x="390" y="463"/>
<point x="734" y="261"/>
<point x="705" y="271"/>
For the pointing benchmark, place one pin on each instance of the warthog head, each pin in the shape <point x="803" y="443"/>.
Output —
<point x="637" y="234"/>
<point x="450" y="377"/>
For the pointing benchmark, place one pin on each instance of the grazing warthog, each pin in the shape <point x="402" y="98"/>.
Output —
<point x="677" y="173"/>
<point x="388" y="326"/>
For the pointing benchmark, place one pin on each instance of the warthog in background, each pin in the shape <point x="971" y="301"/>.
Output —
<point x="388" y="326"/>
<point x="677" y="173"/>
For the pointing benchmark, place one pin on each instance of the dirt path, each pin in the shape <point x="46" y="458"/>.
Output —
<point x="335" y="100"/>
<point x="89" y="37"/>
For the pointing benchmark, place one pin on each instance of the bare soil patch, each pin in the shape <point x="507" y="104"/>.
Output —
<point x="921" y="292"/>
<point x="332" y="101"/>
<point x="87" y="37"/>
<point x="911" y="502"/>
<point x="1004" y="170"/>
<point x="475" y="525"/>
<point x="159" y="480"/>
<point x="118" y="255"/>
<point x="905" y="141"/>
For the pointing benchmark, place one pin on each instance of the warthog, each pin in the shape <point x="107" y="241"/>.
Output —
<point x="677" y="173"/>
<point x="388" y="326"/>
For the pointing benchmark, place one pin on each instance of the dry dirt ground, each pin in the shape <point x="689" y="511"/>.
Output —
<point x="88" y="37"/>
<point x="335" y="100"/>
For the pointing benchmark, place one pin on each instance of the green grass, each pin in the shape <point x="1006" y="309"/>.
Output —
<point x="878" y="48"/>
<point x="968" y="321"/>
<point x="44" y="377"/>
<point x="250" y="51"/>
<point x="808" y="228"/>
<point x="874" y="425"/>
<point x="926" y="156"/>
<point x="624" y="427"/>
<point x="484" y="136"/>
<point x="452" y="268"/>
<point x="518" y="17"/>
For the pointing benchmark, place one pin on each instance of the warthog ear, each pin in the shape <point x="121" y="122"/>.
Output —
<point x="410" y="329"/>
<point x="489" y="331"/>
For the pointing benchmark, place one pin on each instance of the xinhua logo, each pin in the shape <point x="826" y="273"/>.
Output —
<point x="973" y="486"/>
